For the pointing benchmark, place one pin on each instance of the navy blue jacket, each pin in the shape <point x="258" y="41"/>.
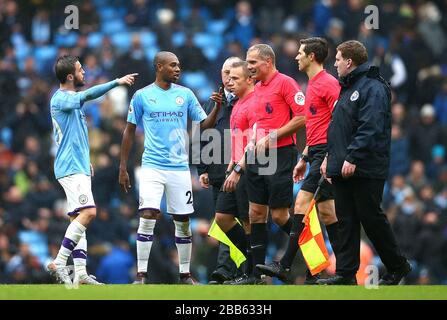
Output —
<point x="216" y="171"/>
<point x="360" y="129"/>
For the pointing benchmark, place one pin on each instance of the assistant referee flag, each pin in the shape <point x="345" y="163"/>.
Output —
<point x="236" y="255"/>
<point x="311" y="240"/>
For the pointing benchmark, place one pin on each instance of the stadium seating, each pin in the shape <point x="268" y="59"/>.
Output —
<point x="45" y="56"/>
<point x="204" y="93"/>
<point x="107" y="13"/>
<point x="122" y="40"/>
<point x="148" y="38"/>
<point x="112" y="26"/>
<point x="211" y="52"/>
<point x="194" y="80"/>
<point x="178" y="38"/>
<point x="37" y="243"/>
<point x="94" y="39"/>
<point x="67" y="40"/>
<point x="216" y="26"/>
<point x="151" y="52"/>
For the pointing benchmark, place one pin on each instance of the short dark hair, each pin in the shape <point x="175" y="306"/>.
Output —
<point x="353" y="50"/>
<point x="265" y="51"/>
<point x="161" y="57"/>
<point x="316" y="45"/>
<point x="244" y="66"/>
<point x="64" y="66"/>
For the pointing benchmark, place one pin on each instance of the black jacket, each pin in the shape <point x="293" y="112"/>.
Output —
<point x="360" y="129"/>
<point x="216" y="171"/>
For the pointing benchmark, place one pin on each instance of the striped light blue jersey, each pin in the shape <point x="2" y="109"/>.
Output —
<point x="70" y="134"/>
<point x="164" y="114"/>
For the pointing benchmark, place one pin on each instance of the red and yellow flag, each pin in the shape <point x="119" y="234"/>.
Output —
<point x="311" y="242"/>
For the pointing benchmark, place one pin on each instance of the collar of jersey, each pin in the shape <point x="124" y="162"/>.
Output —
<point x="318" y="75"/>
<point x="266" y="83"/>
<point x="246" y="97"/>
<point x="164" y="90"/>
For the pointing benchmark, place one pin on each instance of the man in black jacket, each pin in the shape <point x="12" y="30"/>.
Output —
<point x="359" y="140"/>
<point x="213" y="174"/>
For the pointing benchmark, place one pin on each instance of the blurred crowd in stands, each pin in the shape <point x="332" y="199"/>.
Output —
<point x="116" y="37"/>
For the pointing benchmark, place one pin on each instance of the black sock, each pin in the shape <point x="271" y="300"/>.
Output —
<point x="259" y="241"/>
<point x="292" y="247"/>
<point x="249" y="256"/>
<point x="287" y="227"/>
<point x="332" y="232"/>
<point x="237" y="236"/>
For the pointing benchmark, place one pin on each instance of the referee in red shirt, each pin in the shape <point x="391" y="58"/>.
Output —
<point x="279" y="112"/>
<point x="232" y="201"/>
<point x="321" y="95"/>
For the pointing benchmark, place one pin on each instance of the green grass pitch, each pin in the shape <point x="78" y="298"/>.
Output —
<point x="182" y="292"/>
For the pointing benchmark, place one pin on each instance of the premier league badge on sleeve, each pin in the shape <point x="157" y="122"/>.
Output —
<point x="299" y="98"/>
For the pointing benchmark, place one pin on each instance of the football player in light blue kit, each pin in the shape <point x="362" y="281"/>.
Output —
<point x="72" y="163"/>
<point x="163" y="107"/>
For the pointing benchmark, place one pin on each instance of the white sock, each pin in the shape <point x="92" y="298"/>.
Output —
<point x="145" y="236"/>
<point x="72" y="236"/>
<point x="183" y="242"/>
<point x="79" y="255"/>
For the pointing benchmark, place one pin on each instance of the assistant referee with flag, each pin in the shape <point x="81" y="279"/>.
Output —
<point x="359" y="139"/>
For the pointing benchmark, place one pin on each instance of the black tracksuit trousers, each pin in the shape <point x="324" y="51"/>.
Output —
<point x="357" y="201"/>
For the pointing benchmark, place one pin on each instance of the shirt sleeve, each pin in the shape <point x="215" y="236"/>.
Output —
<point x="71" y="101"/>
<point x="195" y="110"/>
<point x="135" y="111"/>
<point x="97" y="91"/>
<point x="331" y="95"/>
<point x="294" y="96"/>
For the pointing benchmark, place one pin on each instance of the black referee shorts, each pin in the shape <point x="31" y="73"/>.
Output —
<point x="236" y="202"/>
<point x="310" y="184"/>
<point x="274" y="190"/>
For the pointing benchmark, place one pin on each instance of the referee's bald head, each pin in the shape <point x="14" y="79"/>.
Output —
<point x="264" y="52"/>
<point x="229" y="61"/>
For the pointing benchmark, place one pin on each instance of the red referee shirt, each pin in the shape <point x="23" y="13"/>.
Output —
<point x="241" y="123"/>
<point x="278" y="99"/>
<point x="321" y="95"/>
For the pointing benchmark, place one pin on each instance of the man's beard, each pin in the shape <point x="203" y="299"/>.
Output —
<point x="78" y="83"/>
<point x="171" y="79"/>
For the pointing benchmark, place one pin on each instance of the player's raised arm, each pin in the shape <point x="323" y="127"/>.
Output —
<point x="128" y="79"/>
<point x="99" y="90"/>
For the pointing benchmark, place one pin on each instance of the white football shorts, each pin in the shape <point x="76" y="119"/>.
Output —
<point x="78" y="189"/>
<point x="178" y="187"/>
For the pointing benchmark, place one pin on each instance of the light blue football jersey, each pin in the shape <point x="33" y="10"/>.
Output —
<point x="164" y="115"/>
<point x="70" y="134"/>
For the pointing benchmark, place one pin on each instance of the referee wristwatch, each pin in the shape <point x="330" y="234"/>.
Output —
<point x="238" y="169"/>
<point x="305" y="158"/>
